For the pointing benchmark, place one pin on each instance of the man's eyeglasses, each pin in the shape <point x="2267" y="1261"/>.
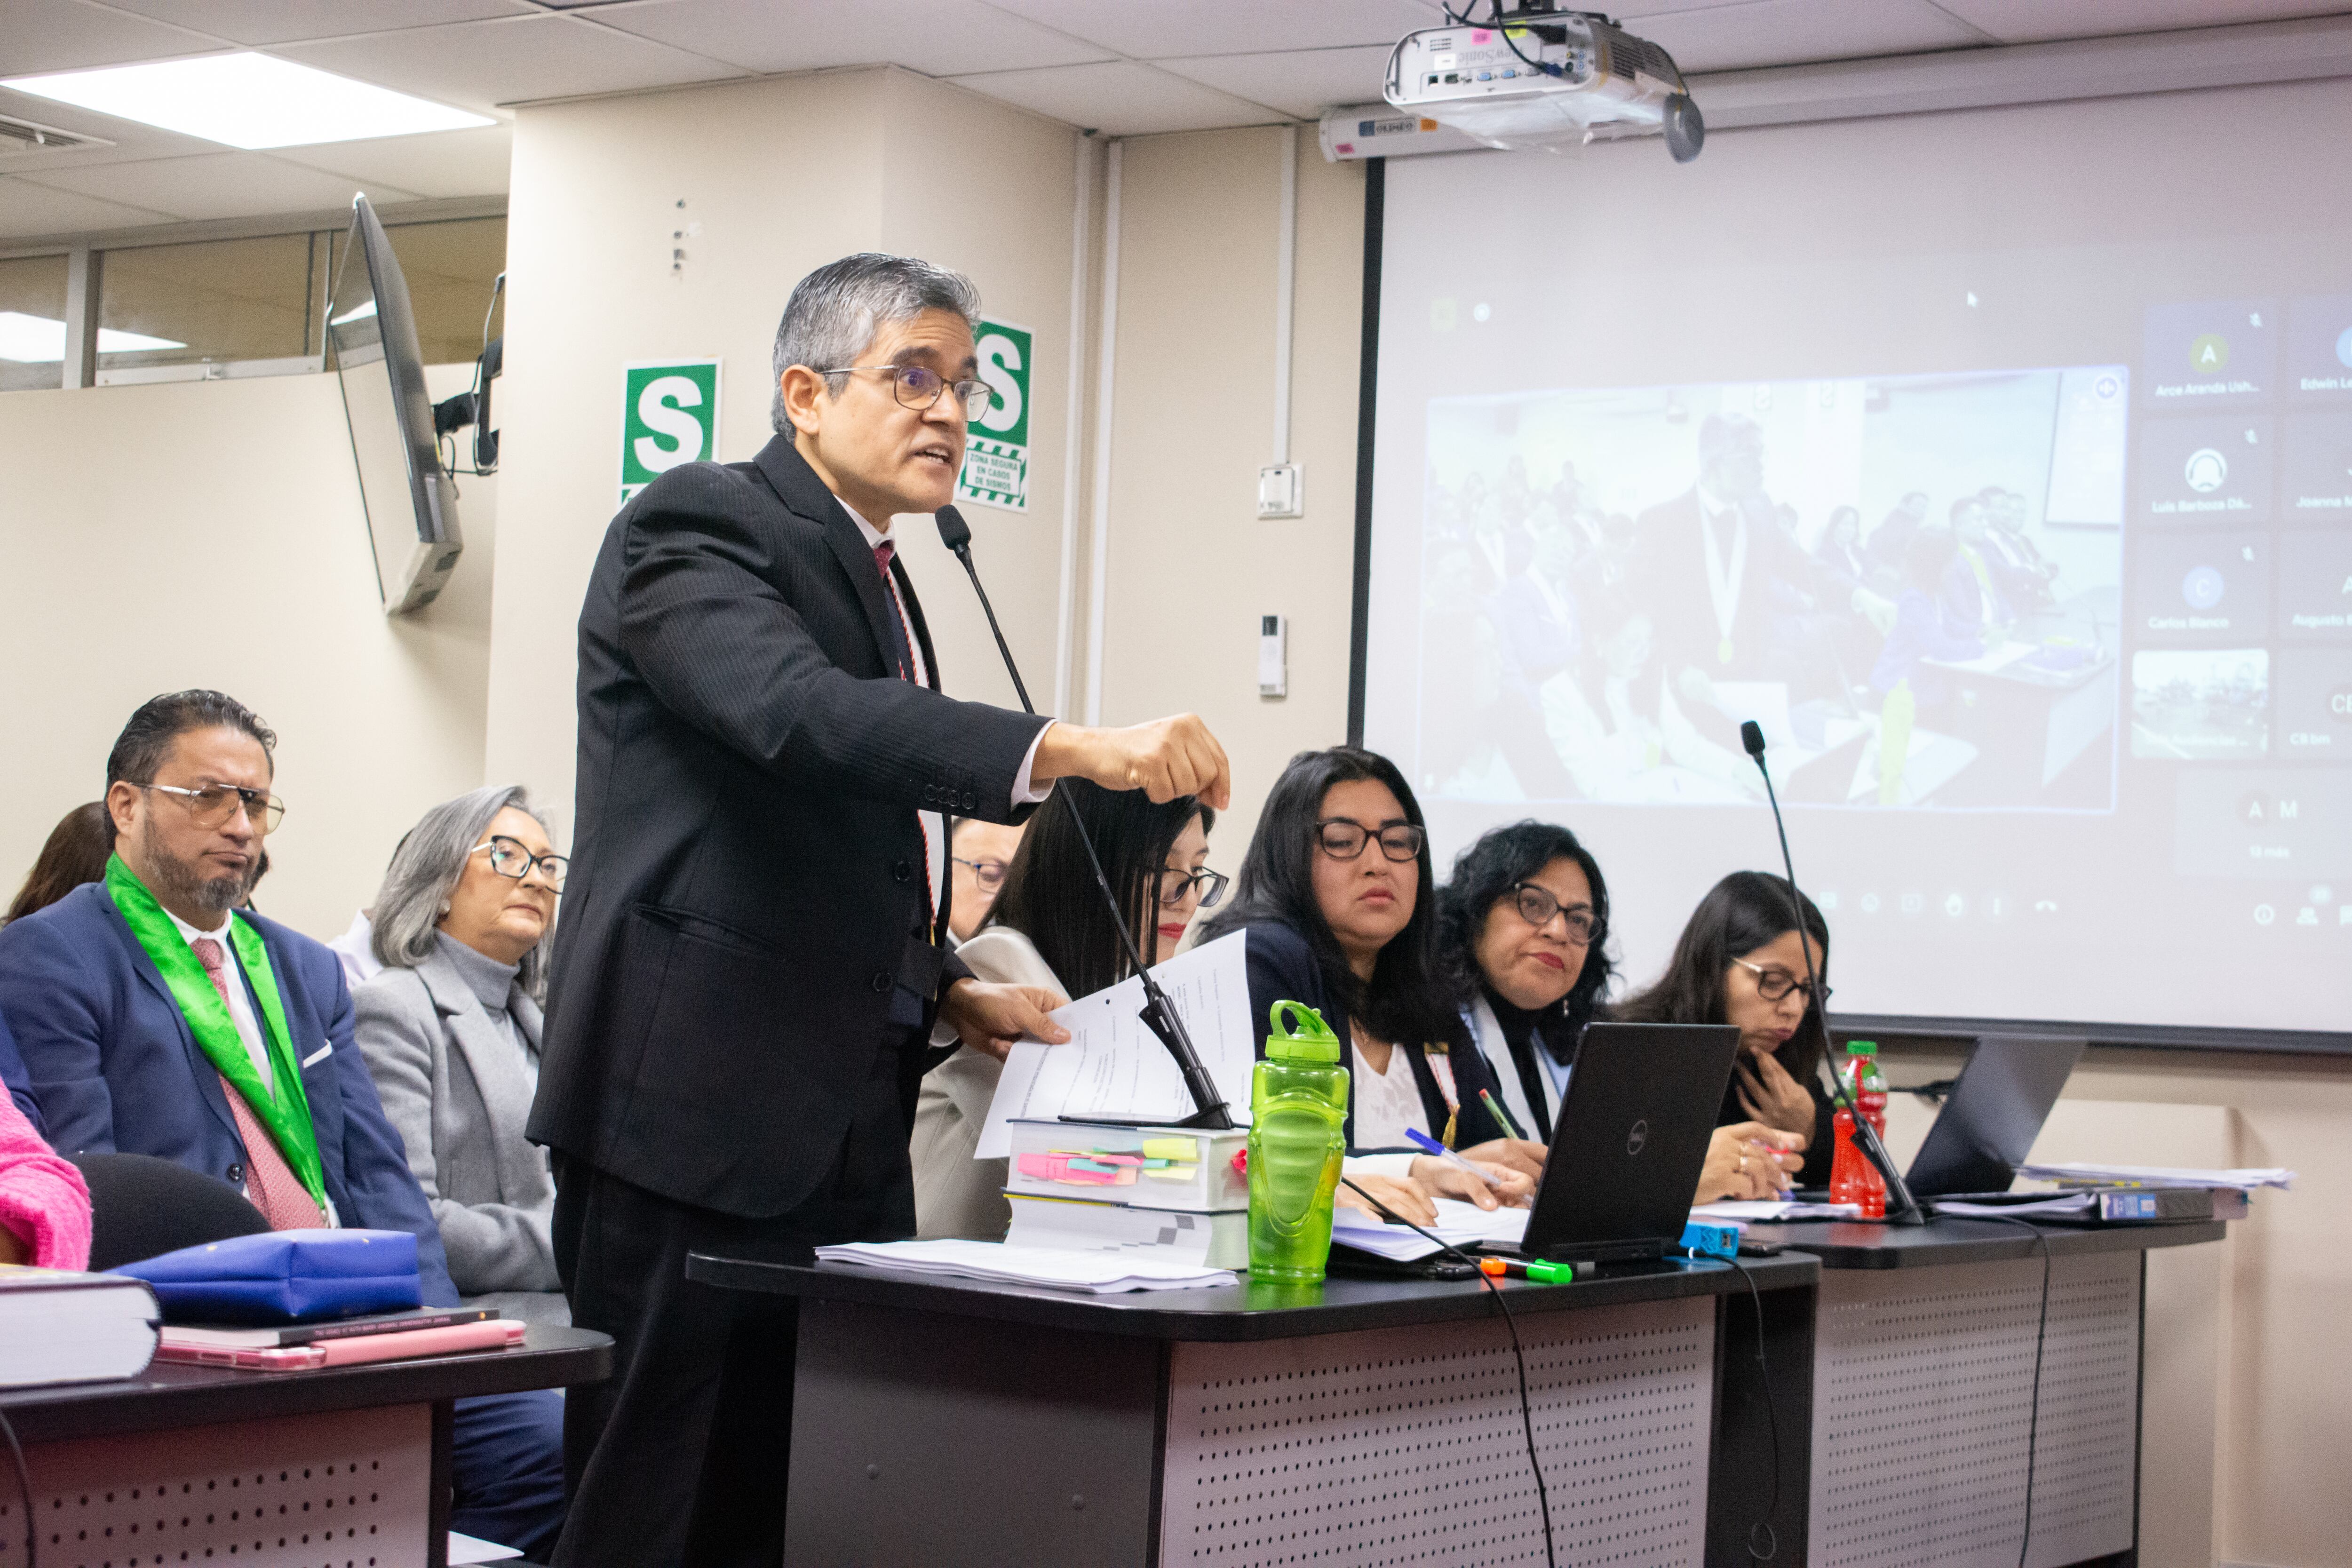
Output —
<point x="1175" y="884"/>
<point x="213" y="804"/>
<point x="1537" y="906"/>
<point x="1774" y="983"/>
<point x="510" y="858"/>
<point x="916" y="386"/>
<point x="989" y="874"/>
<point x="1344" y="840"/>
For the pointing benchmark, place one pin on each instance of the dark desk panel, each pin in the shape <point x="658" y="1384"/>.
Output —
<point x="169" y="1394"/>
<point x="1234" y="1313"/>
<point x="1940" y="1242"/>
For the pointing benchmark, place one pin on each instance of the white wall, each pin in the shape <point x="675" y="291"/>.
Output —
<point x="783" y="175"/>
<point x="209" y="533"/>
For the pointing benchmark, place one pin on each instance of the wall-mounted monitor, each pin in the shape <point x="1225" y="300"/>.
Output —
<point x="412" y="511"/>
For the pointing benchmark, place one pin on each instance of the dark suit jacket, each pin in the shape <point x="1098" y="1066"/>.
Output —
<point x="1669" y="580"/>
<point x="743" y="926"/>
<point x="117" y="1071"/>
<point x="18" y="1082"/>
<point x="1282" y="968"/>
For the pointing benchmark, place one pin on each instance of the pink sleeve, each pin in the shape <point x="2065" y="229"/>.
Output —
<point x="42" y="1197"/>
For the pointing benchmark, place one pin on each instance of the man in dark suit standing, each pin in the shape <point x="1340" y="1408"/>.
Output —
<point x="1708" y="563"/>
<point x="748" y="977"/>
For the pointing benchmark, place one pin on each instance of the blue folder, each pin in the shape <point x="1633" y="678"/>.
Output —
<point x="285" y="1277"/>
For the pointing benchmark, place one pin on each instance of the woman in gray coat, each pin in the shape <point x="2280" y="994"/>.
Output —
<point x="450" y="1031"/>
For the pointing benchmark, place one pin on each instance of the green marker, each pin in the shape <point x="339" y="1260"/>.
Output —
<point x="1542" y="1272"/>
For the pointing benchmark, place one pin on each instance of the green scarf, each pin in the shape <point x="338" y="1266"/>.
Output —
<point x="286" y="1112"/>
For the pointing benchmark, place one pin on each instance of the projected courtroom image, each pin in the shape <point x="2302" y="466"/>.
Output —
<point x="1912" y="584"/>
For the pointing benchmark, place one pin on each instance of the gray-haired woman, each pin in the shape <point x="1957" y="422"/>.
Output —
<point x="450" y="1030"/>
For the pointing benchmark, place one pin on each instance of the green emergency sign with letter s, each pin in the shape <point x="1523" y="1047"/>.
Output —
<point x="669" y="415"/>
<point x="996" y="457"/>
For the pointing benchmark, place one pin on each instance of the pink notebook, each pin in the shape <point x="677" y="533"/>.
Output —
<point x="496" y="1333"/>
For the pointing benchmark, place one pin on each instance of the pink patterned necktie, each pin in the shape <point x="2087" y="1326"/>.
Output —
<point x="269" y="1182"/>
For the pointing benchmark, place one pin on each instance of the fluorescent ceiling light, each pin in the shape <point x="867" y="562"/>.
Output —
<point x="247" y="100"/>
<point x="36" y="339"/>
<point x="358" y="314"/>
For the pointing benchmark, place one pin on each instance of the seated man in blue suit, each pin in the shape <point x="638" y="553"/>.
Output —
<point x="154" y="1018"/>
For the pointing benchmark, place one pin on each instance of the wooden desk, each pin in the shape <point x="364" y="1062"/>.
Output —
<point x="947" y="1421"/>
<point x="196" y="1464"/>
<point x="1924" y="1390"/>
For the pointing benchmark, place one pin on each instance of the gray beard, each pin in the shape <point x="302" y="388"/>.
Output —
<point x="181" y="885"/>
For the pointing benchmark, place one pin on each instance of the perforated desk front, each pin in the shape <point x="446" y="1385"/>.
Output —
<point x="943" y="1421"/>
<point x="1924" y="1392"/>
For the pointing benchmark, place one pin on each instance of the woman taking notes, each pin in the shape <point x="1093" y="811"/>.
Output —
<point x="1338" y="897"/>
<point x="1049" y="928"/>
<point x="1522" y="926"/>
<point x="1739" y="960"/>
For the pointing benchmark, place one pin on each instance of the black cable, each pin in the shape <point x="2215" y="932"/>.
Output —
<point x="1526" y="1413"/>
<point x="2040" y="1332"/>
<point x="1772" y="1419"/>
<point x="25" y="1483"/>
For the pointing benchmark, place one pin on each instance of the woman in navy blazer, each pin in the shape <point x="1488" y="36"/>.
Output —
<point x="1339" y="902"/>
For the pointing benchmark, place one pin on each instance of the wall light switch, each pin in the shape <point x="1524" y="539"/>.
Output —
<point x="1273" y="656"/>
<point x="1279" y="492"/>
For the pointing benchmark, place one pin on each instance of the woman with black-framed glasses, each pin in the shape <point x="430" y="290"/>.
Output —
<point x="1048" y="927"/>
<point x="1740" y="960"/>
<point x="1339" y="904"/>
<point x="1522" y="925"/>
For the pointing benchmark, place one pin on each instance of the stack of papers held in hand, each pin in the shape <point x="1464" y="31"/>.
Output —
<point x="1458" y="1223"/>
<point x="2160" y="1175"/>
<point x="1093" y="1273"/>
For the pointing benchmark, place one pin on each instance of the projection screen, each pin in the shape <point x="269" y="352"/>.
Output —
<point x="1999" y="464"/>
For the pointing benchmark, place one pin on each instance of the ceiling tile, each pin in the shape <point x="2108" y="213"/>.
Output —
<point x="480" y="65"/>
<point x="65" y="35"/>
<point x="1303" y="82"/>
<point x="28" y="209"/>
<point x="441" y="163"/>
<point x="2039" y="21"/>
<point x="1120" y="97"/>
<point x="276" y="22"/>
<point x="939" y="38"/>
<point x="216" y="184"/>
<point x="1757" y="32"/>
<point x="1154" y="29"/>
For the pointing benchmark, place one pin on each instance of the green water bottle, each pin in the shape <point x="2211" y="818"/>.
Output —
<point x="1298" y="1116"/>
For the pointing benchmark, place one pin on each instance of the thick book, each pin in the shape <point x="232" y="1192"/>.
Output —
<point x="2096" y="1206"/>
<point x="1219" y="1240"/>
<point x="407" y="1345"/>
<point x="1143" y="1167"/>
<point x="60" y="1327"/>
<point x="313" y="1333"/>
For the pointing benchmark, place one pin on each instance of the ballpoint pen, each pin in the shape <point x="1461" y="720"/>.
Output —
<point x="1436" y="1151"/>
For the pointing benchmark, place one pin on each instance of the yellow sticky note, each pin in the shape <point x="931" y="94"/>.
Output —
<point x="1169" y="1149"/>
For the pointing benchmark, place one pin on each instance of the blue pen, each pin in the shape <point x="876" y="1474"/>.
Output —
<point x="1437" y="1150"/>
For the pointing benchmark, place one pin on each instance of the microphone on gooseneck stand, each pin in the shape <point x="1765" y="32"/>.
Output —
<point x="1158" y="1015"/>
<point x="1902" y="1207"/>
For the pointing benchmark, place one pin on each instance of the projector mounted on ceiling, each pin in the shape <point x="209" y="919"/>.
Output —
<point x="1537" y="76"/>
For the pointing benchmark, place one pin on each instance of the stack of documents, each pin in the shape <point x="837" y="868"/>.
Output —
<point x="1093" y="1273"/>
<point x="2161" y="1175"/>
<point x="1750" y="1211"/>
<point x="1458" y="1223"/>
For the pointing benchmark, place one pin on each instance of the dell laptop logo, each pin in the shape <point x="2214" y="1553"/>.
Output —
<point x="1637" y="1137"/>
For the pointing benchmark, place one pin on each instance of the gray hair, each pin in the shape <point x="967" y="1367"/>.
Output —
<point x="836" y="310"/>
<point x="425" y="871"/>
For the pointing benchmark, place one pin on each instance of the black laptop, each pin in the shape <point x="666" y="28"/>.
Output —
<point x="1629" y="1141"/>
<point x="1994" y="1115"/>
